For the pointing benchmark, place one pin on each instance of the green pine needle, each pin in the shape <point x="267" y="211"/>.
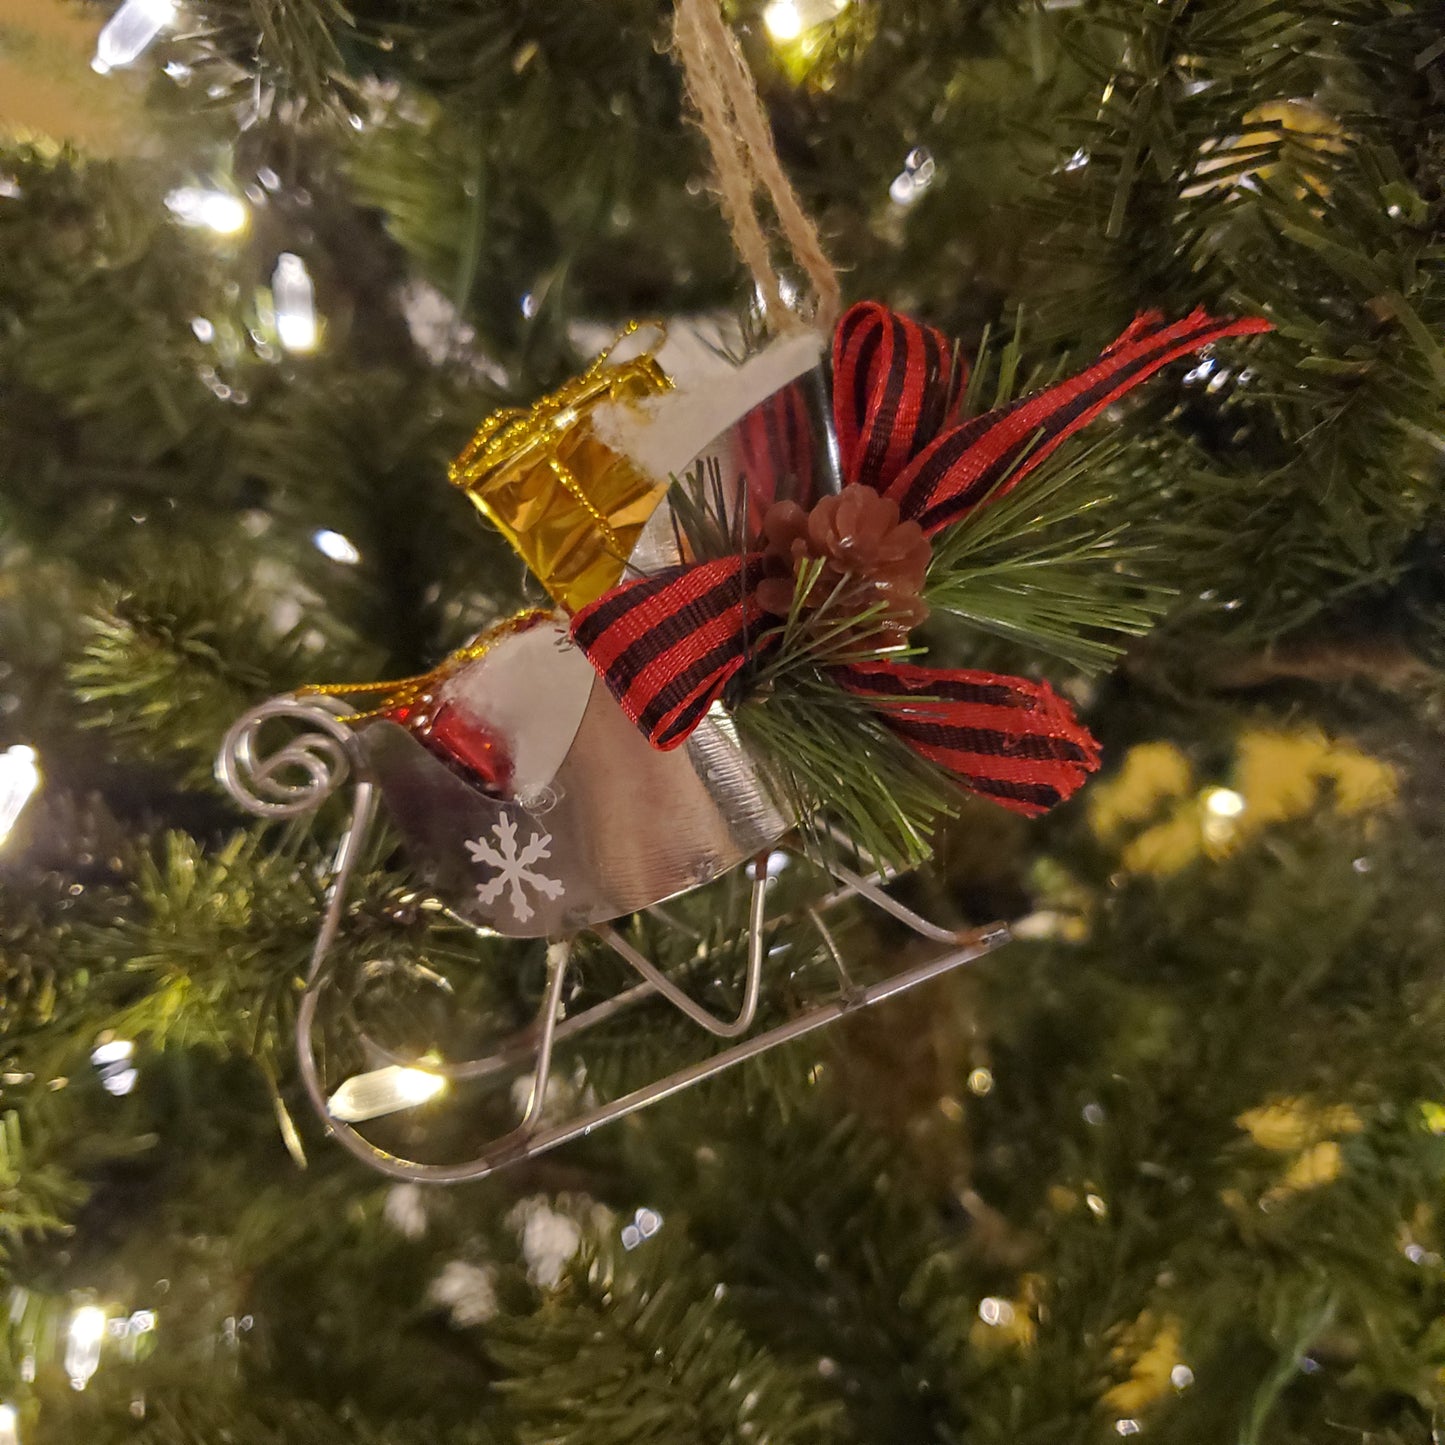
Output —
<point x="829" y="751"/>
<point x="1045" y="565"/>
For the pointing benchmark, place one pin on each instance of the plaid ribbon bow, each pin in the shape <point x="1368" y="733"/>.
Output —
<point x="668" y="644"/>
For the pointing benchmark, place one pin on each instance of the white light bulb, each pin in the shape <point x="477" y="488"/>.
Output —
<point x="19" y="778"/>
<point x="1224" y="802"/>
<point x="786" y="20"/>
<point x="384" y="1091"/>
<point x="112" y="1062"/>
<point x="129" y="32"/>
<point x="116" y="1051"/>
<point x="9" y="1425"/>
<point x="335" y="545"/>
<point x="218" y="211"/>
<point x="783" y="20"/>
<point x="82" y="1345"/>
<point x="223" y="213"/>
<point x="294" y="298"/>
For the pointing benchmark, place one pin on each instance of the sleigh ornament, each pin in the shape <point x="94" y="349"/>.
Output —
<point x="579" y="765"/>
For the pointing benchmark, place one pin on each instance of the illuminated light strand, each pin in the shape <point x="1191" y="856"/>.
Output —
<point x="19" y="778"/>
<point x="130" y="32"/>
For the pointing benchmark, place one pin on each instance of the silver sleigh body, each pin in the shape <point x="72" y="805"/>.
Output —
<point x="597" y="825"/>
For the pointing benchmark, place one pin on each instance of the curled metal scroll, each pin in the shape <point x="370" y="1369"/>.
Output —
<point x="297" y="777"/>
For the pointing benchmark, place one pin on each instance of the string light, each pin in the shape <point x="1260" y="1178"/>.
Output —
<point x="384" y="1091"/>
<point x="336" y="546"/>
<point x="776" y="862"/>
<point x="19" y="778"/>
<point x="1224" y="802"/>
<point x="82" y="1345"/>
<point x="1222" y="809"/>
<point x="783" y="20"/>
<point x="133" y="1333"/>
<point x="788" y="20"/>
<point x="645" y="1223"/>
<point x="217" y="211"/>
<point x="129" y="33"/>
<point x="294" y="298"/>
<point x="112" y="1061"/>
<point x="917" y="174"/>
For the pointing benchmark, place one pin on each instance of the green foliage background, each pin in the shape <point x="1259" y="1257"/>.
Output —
<point x="1170" y="1165"/>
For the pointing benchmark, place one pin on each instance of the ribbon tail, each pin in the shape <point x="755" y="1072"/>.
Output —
<point x="667" y="645"/>
<point x="1009" y="740"/>
<point x="990" y="454"/>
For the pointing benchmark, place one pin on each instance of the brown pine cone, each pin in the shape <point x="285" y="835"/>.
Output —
<point x="875" y="557"/>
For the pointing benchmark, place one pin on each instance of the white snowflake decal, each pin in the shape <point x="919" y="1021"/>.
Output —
<point x="514" y="869"/>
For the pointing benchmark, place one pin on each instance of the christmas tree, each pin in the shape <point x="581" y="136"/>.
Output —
<point x="1168" y="1163"/>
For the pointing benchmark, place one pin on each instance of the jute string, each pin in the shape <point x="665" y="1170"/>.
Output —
<point x="738" y="134"/>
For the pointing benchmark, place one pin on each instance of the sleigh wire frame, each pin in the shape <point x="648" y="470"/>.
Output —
<point x="296" y="778"/>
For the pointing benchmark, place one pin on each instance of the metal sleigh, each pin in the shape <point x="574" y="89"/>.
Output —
<point x="588" y="825"/>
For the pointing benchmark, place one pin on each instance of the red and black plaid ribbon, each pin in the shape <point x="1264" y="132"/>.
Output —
<point x="667" y="645"/>
<point x="1005" y="738"/>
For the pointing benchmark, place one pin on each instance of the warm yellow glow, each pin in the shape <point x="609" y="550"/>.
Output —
<point x="82" y="1344"/>
<point x="416" y="1086"/>
<point x="19" y="778"/>
<point x="790" y="20"/>
<point x="87" y="1325"/>
<point x="296" y="330"/>
<point x="1150" y="1347"/>
<point x="224" y="214"/>
<point x="1224" y="802"/>
<point x="783" y="19"/>
<point x="217" y="211"/>
<point x="384" y="1091"/>
<point x="294" y="298"/>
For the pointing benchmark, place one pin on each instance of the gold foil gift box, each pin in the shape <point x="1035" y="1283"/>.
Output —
<point x="572" y="506"/>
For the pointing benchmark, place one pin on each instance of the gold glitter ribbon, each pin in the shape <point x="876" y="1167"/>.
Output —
<point x="418" y="692"/>
<point x="571" y="506"/>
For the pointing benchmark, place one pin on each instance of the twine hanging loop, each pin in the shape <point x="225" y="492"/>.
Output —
<point x="749" y="173"/>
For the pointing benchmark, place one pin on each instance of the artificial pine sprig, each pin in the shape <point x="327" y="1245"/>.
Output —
<point x="1048" y="567"/>
<point x="820" y="744"/>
